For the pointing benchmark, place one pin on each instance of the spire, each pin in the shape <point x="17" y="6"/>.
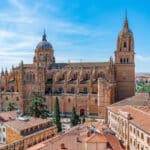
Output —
<point x="2" y="72"/>
<point x="126" y="15"/>
<point x="111" y="59"/>
<point x="126" y="19"/>
<point x="12" y="67"/>
<point x="6" y="72"/>
<point x="44" y="36"/>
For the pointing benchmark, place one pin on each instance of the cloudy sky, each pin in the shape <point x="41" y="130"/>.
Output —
<point x="79" y="30"/>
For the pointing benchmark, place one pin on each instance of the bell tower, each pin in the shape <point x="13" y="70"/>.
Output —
<point x="124" y="62"/>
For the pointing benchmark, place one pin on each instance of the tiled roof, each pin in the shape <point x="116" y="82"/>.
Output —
<point x="140" y="99"/>
<point x="97" y="125"/>
<point x="6" y="116"/>
<point x="70" y="140"/>
<point x="79" y="64"/>
<point x="19" y="125"/>
<point x="96" y="138"/>
<point x="139" y="117"/>
<point x="113" y="141"/>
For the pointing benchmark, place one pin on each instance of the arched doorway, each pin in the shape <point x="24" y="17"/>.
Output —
<point x="82" y="112"/>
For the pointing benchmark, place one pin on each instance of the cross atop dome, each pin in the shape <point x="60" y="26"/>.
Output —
<point x="44" y="36"/>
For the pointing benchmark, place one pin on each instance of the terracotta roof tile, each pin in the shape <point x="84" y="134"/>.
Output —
<point x="6" y="116"/>
<point x="140" y="99"/>
<point x="22" y="125"/>
<point x="96" y="138"/>
<point x="138" y="117"/>
<point x="113" y="141"/>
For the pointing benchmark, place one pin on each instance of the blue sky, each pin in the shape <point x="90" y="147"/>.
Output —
<point x="79" y="30"/>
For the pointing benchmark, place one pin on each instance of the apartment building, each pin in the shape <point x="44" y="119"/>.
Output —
<point x="131" y="125"/>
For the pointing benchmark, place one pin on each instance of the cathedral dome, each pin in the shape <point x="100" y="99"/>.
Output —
<point x="44" y="44"/>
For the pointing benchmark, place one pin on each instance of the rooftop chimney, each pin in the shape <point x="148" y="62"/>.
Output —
<point x="62" y="147"/>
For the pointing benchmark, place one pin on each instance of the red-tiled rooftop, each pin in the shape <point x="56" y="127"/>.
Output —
<point x="20" y="125"/>
<point x="97" y="125"/>
<point x="96" y="138"/>
<point x="6" y="116"/>
<point x="113" y="141"/>
<point x="138" y="117"/>
<point x="74" y="140"/>
<point x="140" y="99"/>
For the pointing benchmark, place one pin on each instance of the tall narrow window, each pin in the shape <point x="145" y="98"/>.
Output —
<point x="124" y="60"/>
<point x="95" y="101"/>
<point x="127" y="60"/>
<point x="121" y="60"/>
<point x="124" y="45"/>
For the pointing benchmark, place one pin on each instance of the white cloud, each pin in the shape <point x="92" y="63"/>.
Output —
<point x="142" y="58"/>
<point x="19" y="41"/>
<point x="18" y="5"/>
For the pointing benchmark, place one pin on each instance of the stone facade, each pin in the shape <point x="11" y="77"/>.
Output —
<point x="131" y="125"/>
<point x="143" y="78"/>
<point x="88" y="86"/>
<point x="21" y="134"/>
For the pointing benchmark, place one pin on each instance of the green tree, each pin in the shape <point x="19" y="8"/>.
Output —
<point x="11" y="105"/>
<point x="38" y="108"/>
<point x="56" y="115"/>
<point x="74" y="118"/>
<point x="142" y="87"/>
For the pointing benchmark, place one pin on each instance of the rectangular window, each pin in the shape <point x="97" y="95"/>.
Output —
<point x="137" y="132"/>
<point x="134" y="143"/>
<point x="134" y="131"/>
<point x="148" y="140"/>
<point x="130" y="140"/>
<point x="142" y="136"/>
<point x="3" y="139"/>
<point x="131" y="128"/>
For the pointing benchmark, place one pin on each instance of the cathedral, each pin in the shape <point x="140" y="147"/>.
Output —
<point x="88" y="86"/>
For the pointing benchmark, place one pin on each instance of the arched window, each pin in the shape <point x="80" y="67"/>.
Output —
<point x="72" y="90"/>
<point x="85" y="90"/>
<point x="124" y="45"/>
<point x="46" y="57"/>
<point x="124" y="60"/>
<point x="12" y="89"/>
<point x="127" y="60"/>
<point x="30" y="77"/>
<point x="102" y="75"/>
<point x="33" y="77"/>
<point x="69" y="100"/>
<point x="120" y="60"/>
<point x="75" y="76"/>
<point x="40" y="57"/>
<point x="95" y="101"/>
<point x="86" y="76"/>
<point x="2" y="88"/>
<point x="60" y="90"/>
<point x="63" y="76"/>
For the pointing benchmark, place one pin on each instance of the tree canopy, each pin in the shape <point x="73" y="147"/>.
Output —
<point x="38" y="108"/>
<point x="142" y="87"/>
<point x="11" y="105"/>
<point x="74" y="117"/>
<point x="56" y="115"/>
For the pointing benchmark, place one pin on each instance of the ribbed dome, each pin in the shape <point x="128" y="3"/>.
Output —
<point x="44" y="44"/>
